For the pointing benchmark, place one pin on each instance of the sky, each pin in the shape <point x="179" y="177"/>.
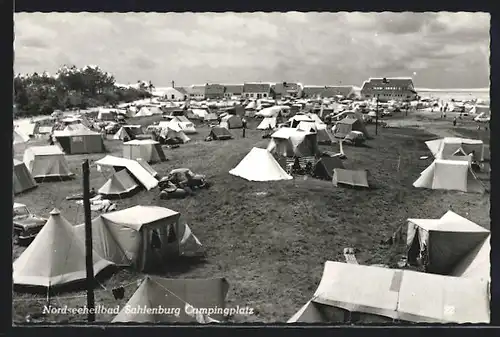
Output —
<point x="438" y="50"/>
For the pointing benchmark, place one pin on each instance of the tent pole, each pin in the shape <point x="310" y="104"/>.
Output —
<point x="88" y="242"/>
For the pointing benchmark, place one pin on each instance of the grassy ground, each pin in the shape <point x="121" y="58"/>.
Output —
<point x="269" y="240"/>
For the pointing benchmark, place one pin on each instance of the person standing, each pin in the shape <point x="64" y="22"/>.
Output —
<point x="454" y="121"/>
<point x="244" y="122"/>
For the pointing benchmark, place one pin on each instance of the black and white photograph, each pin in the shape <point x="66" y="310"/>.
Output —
<point x="233" y="168"/>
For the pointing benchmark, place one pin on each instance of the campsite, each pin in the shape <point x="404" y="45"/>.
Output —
<point x="269" y="240"/>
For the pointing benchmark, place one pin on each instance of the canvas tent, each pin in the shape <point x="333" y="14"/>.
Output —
<point x="444" y="241"/>
<point x="46" y="162"/>
<point x="143" y="237"/>
<point x="348" y="124"/>
<point x="267" y="123"/>
<point x="273" y="112"/>
<point x="297" y="119"/>
<point x="219" y="133"/>
<point x="445" y="148"/>
<point x="477" y="263"/>
<point x="55" y="257"/>
<point x="186" y="127"/>
<point x="21" y="178"/>
<point x="127" y="132"/>
<point x="144" y="112"/>
<point x="453" y="175"/>
<point x="288" y="142"/>
<point x="135" y="168"/>
<point x="210" y="117"/>
<point x="79" y="141"/>
<point x="176" y="295"/>
<point x="119" y="185"/>
<point x="357" y="178"/>
<point x="106" y="115"/>
<point x="172" y="131"/>
<point x="259" y="165"/>
<point x="324" y="167"/>
<point x="146" y="149"/>
<point x="19" y="137"/>
<point x="369" y="294"/>
<point x="231" y="122"/>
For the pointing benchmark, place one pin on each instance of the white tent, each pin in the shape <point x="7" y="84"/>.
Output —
<point x="259" y="165"/>
<point x="444" y="241"/>
<point x="172" y="130"/>
<point x="185" y="124"/>
<point x="55" y="257"/>
<point x="445" y="148"/>
<point x="376" y="294"/>
<point x="143" y="112"/>
<point x="449" y="175"/>
<point x="46" y="161"/>
<point x="106" y="114"/>
<point x="267" y="123"/>
<point x="135" y="168"/>
<point x="19" y="137"/>
<point x="273" y="111"/>
<point x="146" y="149"/>
<point x="21" y="178"/>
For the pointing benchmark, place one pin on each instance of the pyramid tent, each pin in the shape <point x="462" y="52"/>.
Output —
<point x="146" y="149"/>
<point x="125" y="237"/>
<point x="55" y="257"/>
<point x="177" y="296"/>
<point x="445" y="241"/>
<point x="219" y="133"/>
<point x="382" y="295"/>
<point x="324" y="167"/>
<point x="476" y="264"/>
<point x="21" y="178"/>
<point x="127" y="132"/>
<point x="267" y="123"/>
<point x="453" y="175"/>
<point x="259" y="165"/>
<point x="350" y="177"/>
<point x="445" y="148"/>
<point x="46" y="162"/>
<point x="119" y="185"/>
<point x="143" y="112"/>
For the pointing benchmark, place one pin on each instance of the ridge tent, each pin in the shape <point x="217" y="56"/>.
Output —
<point x="106" y="115"/>
<point x="453" y="175"/>
<point x="219" y="133"/>
<point x="155" y="110"/>
<point x="200" y="113"/>
<point x="369" y="294"/>
<point x="119" y="185"/>
<point x="350" y="177"/>
<point x="251" y="106"/>
<point x="186" y="127"/>
<point x="142" y="174"/>
<point x="128" y="132"/>
<point x="324" y="167"/>
<point x="147" y="167"/>
<point x="267" y="123"/>
<point x="79" y="141"/>
<point x="176" y="295"/>
<point x="259" y="165"/>
<point x="231" y="122"/>
<point x="445" y="148"/>
<point x="273" y="112"/>
<point x="46" y="162"/>
<point x="307" y="126"/>
<point x="444" y="241"/>
<point x="348" y="124"/>
<point x="288" y="142"/>
<point x="19" y="137"/>
<point x="55" y="257"/>
<point x="21" y="178"/>
<point x="147" y="149"/>
<point x="477" y="263"/>
<point x="143" y="237"/>
<point x="324" y="137"/>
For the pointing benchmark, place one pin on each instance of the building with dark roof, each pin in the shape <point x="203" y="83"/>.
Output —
<point x="196" y="92"/>
<point x="399" y="89"/>
<point x="328" y="91"/>
<point x="214" y="91"/>
<point x="233" y="90"/>
<point x="257" y="90"/>
<point x="287" y="89"/>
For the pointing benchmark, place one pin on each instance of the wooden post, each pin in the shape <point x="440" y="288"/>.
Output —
<point x="89" y="261"/>
<point x="376" y="118"/>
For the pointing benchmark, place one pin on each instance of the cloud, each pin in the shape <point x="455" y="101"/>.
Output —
<point x="445" y="49"/>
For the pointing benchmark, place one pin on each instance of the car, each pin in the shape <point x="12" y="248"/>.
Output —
<point x="26" y="224"/>
<point x="482" y="119"/>
<point x="184" y="177"/>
